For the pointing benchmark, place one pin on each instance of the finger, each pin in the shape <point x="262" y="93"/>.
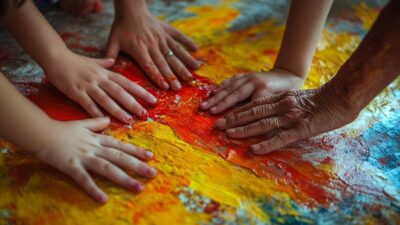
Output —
<point x="183" y="55"/>
<point x="112" y="172"/>
<point x="111" y="142"/>
<point x="261" y="101"/>
<point x="181" y="38"/>
<point x="81" y="177"/>
<point x="124" y="98"/>
<point x="164" y="68"/>
<point x="127" y="162"/>
<point x="87" y="103"/>
<point x="278" y="141"/>
<point x="175" y="63"/>
<point x="226" y="82"/>
<point x="263" y="126"/>
<point x="109" y="105"/>
<point x="215" y="99"/>
<point x="112" y="48"/>
<point x="134" y="88"/>
<point x="146" y="63"/>
<point x="236" y="119"/>
<point x="96" y="124"/>
<point x="105" y="63"/>
<point x="234" y="97"/>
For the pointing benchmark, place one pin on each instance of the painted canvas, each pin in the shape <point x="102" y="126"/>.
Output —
<point x="348" y="176"/>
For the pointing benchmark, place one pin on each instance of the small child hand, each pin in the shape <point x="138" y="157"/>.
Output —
<point x="81" y="7"/>
<point x="254" y="85"/>
<point x="86" y="81"/>
<point x="74" y="148"/>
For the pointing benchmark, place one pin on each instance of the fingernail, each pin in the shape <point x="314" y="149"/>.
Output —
<point x="188" y="75"/>
<point x="221" y="123"/>
<point x="144" y="114"/>
<point x="213" y="109"/>
<point x="153" y="100"/>
<point x="148" y="154"/>
<point x="102" y="198"/>
<point x="164" y="85"/>
<point x="231" y="131"/>
<point x="203" y="104"/>
<point x="136" y="187"/>
<point x="152" y="172"/>
<point x="255" y="148"/>
<point x="177" y="86"/>
<point x="128" y="119"/>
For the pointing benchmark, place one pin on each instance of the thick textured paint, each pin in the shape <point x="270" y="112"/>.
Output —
<point x="204" y="176"/>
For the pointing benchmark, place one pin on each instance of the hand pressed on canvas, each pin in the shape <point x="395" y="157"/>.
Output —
<point x="72" y="147"/>
<point x="85" y="80"/>
<point x="154" y="44"/>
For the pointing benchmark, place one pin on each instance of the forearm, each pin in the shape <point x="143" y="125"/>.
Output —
<point x="375" y="63"/>
<point x="303" y="28"/>
<point x="21" y="122"/>
<point x="31" y="30"/>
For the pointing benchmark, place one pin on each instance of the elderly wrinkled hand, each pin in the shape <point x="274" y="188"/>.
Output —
<point x="288" y="117"/>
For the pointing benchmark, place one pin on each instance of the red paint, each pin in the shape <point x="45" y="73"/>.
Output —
<point x="180" y="111"/>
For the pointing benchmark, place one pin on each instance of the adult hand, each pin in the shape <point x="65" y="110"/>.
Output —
<point x="289" y="117"/>
<point x="253" y="85"/>
<point x="86" y="81"/>
<point x="153" y="44"/>
<point x="74" y="148"/>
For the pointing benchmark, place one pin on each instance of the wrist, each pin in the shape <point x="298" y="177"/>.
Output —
<point x="55" y="59"/>
<point x="124" y="8"/>
<point x="341" y="96"/>
<point x="39" y="140"/>
<point x="288" y="72"/>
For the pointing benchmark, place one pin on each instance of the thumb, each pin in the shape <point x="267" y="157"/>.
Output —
<point x="105" y="63"/>
<point x="96" y="124"/>
<point x="112" y="49"/>
<point x="260" y="93"/>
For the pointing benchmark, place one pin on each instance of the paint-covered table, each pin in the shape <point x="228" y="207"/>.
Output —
<point x="348" y="176"/>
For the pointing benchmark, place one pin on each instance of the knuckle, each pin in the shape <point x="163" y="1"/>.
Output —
<point x="106" y="166"/>
<point x="86" y="104"/>
<point x="264" y="123"/>
<point x="118" y="156"/>
<point x="182" y="70"/>
<point x="237" y="93"/>
<point x="244" y="130"/>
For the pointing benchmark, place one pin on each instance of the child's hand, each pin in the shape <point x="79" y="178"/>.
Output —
<point x="75" y="149"/>
<point x="81" y="7"/>
<point x="150" y="42"/>
<point x="86" y="81"/>
<point x="241" y="87"/>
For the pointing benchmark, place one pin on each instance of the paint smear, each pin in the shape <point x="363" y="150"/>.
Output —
<point x="205" y="178"/>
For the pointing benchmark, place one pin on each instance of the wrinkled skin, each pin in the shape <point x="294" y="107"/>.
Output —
<point x="253" y="85"/>
<point x="288" y="117"/>
<point x="88" y="82"/>
<point x="81" y="7"/>
<point x="75" y="149"/>
<point x="147" y="40"/>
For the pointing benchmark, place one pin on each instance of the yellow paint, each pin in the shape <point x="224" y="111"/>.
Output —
<point x="47" y="199"/>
